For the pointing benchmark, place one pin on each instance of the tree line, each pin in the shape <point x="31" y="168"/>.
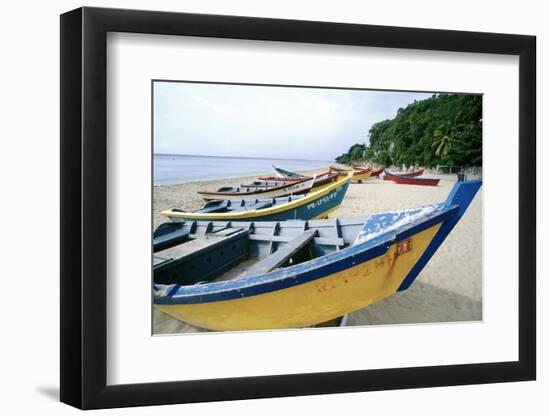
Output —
<point x="443" y="130"/>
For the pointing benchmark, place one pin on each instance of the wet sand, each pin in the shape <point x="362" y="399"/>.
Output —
<point x="449" y="288"/>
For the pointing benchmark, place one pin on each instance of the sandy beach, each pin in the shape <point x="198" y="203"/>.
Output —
<point x="448" y="289"/>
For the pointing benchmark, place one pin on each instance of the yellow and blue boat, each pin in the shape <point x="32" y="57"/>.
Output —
<point x="315" y="205"/>
<point x="233" y="275"/>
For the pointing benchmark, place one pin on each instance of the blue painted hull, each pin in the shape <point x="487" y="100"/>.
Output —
<point x="308" y="209"/>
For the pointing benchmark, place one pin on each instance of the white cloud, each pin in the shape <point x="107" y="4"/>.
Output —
<point x="261" y="121"/>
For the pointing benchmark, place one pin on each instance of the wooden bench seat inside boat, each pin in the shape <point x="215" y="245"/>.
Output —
<point x="279" y="257"/>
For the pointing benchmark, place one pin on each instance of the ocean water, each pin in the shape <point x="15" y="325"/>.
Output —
<point x="177" y="169"/>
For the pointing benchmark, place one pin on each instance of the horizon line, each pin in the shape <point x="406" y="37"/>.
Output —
<point x="243" y="157"/>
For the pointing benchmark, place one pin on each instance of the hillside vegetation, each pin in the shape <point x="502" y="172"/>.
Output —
<point x="443" y="130"/>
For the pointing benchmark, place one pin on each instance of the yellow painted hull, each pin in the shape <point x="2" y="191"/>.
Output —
<point x="361" y="177"/>
<point x="314" y="301"/>
<point x="258" y="214"/>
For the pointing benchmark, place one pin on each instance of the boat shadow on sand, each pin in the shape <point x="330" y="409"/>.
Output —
<point x="421" y="303"/>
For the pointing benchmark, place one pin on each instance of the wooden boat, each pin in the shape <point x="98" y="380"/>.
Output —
<point x="358" y="175"/>
<point x="286" y="174"/>
<point x="375" y="171"/>
<point x="337" y="169"/>
<point x="412" y="174"/>
<point x="237" y="193"/>
<point x="321" y="180"/>
<point x="282" y="179"/>
<point x="361" y="175"/>
<point x="400" y="179"/>
<point x="234" y="275"/>
<point x="315" y="205"/>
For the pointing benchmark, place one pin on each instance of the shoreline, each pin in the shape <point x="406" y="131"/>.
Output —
<point x="449" y="289"/>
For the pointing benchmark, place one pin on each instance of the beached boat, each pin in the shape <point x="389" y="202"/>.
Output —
<point x="375" y="171"/>
<point x="282" y="179"/>
<point x="315" y="205"/>
<point x="412" y="174"/>
<point x="234" y="275"/>
<point x="400" y="179"/>
<point x="280" y="190"/>
<point x="321" y="180"/>
<point x="358" y="175"/>
<point x="286" y="174"/>
<point x="293" y="176"/>
<point x="361" y="175"/>
<point x="337" y="169"/>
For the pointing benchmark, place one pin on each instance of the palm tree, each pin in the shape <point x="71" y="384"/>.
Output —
<point x="442" y="143"/>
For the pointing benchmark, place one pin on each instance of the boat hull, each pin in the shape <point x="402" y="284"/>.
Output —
<point x="285" y="179"/>
<point x="386" y="255"/>
<point x="300" y="187"/>
<point x="321" y="180"/>
<point x="316" y="205"/>
<point x="312" y="302"/>
<point x="360" y="176"/>
<point x="411" y="180"/>
<point x="414" y="174"/>
<point x="404" y="174"/>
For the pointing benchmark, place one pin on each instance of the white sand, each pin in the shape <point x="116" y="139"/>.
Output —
<point x="449" y="288"/>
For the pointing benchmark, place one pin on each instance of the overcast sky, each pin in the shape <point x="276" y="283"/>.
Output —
<point x="269" y="122"/>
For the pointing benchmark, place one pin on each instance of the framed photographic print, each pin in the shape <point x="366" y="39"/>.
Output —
<point x="259" y="207"/>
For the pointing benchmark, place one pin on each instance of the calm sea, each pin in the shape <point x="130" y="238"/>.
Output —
<point x="176" y="169"/>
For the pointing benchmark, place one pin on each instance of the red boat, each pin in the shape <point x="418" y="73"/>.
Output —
<point x="401" y="179"/>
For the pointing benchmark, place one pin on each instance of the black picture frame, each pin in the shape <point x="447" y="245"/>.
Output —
<point x="84" y="207"/>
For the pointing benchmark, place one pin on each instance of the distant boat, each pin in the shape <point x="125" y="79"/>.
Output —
<point x="284" y="173"/>
<point x="237" y="193"/>
<point x="401" y="179"/>
<point x="338" y="169"/>
<point x="375" y="171"/>
<point x="359" y="175"/>
<point x="315" y="205"/>
<point x="321" y="180"/>
<point x="411" y="174"/>
<point x="240" y="275"/>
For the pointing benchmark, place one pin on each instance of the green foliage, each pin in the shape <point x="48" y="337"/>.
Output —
<point x="357" y="152"/>
<point x="442" y="130"/>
